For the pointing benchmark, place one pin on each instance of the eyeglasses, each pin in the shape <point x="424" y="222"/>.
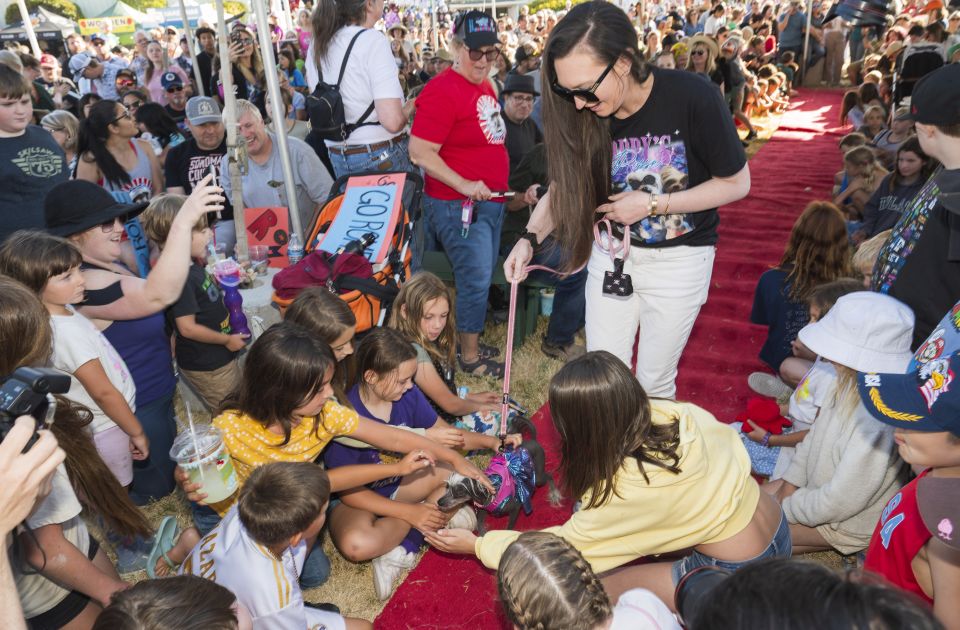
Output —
<point x="490" y="54"/>
<point x="108" y="226"/>
<point x="520" y="98"/>
<point x="125" y="114"/>
<point x="175" y="88"/>
<point x="586" y="95"/>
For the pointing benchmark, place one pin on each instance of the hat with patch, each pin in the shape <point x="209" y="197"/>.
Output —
<point x="925" y="398"/>
<point x="477" y="29"/>
<point x="936" y="97"/>
<point x="79" y="62"/>
<point x="938" y="499"/>
<point x="171" y="79"/>
<point x="202" y="110"/>
<point x="49" y="61"/>
<point x="97" y="37"/>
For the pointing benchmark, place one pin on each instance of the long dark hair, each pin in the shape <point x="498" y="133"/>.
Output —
<point x="578" y="142"/>
<point x="382" y="351"/>
<point x="92" y="145"/>
<point x="603" y="417"/>
<point x="155" y="118"/>
<point x="329" y="16"/>
<point x="285" y="368"/>
<point x="912" y="144"/>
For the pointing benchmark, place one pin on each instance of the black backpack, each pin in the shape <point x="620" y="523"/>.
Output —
<point x="325" y="106"/>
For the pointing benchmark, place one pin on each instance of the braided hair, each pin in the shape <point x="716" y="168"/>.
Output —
<point x="545" y="584"/>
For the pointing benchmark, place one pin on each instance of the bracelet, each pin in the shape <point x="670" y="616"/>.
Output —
<point x="654" y="202"/>
<point x="531" y="237"/>
<point x="666" y="210"/>
<point x="766" y="439"/>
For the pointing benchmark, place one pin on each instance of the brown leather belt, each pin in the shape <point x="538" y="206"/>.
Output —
<point x="356" y="149"/>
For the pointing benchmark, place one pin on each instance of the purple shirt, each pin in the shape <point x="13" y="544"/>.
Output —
<point x="412" y="410"/>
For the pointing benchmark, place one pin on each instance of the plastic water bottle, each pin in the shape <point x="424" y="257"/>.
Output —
<point x="294" y="249"/>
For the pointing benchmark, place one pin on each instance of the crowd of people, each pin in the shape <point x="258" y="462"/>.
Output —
<point x="117" y="188"/>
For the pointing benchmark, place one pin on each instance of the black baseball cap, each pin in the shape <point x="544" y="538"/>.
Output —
<point x="477" y="29"/>
<point x="936" y="97"/>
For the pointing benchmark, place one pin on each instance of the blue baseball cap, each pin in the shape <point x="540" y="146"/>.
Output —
<point x="926" y="398"/>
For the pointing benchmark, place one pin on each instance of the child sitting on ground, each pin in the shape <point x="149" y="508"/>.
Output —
<point x="862" y="175"/>
<point x="817" y="252"/>
<point x="772" y="454"/>
<point x="544" y="582"/>
<point x="381" y="521"/>
<point x="865" y="258"/>
<point x="205" y="348"/>
<point x="422" y="313"/>
<point x="846" y="468"/>
<point x="259" y="548"/>
<point x="922" y="406"/>
<point x="327" y="317"/>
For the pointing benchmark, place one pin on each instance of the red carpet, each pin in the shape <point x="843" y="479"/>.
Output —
<point x="796" y="166"/>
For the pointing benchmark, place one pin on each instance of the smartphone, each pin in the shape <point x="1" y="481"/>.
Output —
<point x="213" y="175"/>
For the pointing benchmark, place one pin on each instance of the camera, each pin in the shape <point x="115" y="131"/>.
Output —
<point x="29" y="391"/>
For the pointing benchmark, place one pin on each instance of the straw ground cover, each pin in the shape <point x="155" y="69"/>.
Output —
<point x="351" y="585"/>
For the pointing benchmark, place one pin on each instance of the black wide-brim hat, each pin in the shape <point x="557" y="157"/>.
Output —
<point x="77" y="205"/>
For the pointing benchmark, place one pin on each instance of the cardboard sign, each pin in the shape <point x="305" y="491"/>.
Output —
<point x="270" y="227"/>
<point x="371" y="203"/>
<point x="114" y="24"/>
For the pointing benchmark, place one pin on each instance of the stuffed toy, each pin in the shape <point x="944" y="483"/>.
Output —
<point x="765" y="413"/>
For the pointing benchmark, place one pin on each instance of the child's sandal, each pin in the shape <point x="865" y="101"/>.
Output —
<point x="482" y="367"/>
<point x="485" y="351"/>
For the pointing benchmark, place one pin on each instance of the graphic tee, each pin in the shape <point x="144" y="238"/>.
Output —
<point x="464" y="119"/>
<point x="201" y="298"/>
<point x="681" y="137"/>
<point x="30" y="165"/>
<point x="187" y="164"/>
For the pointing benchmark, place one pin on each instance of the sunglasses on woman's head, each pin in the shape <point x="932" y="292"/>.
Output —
<point x="490" y="54"/>
<point x="586" y="95"/>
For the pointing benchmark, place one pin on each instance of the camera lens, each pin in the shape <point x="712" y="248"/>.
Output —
<point x="695" y="587"/>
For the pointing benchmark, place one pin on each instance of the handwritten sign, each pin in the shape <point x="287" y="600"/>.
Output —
<point x="114" y="24"/>
<point x="269" y="227"/>
<point x="371" y="203"/>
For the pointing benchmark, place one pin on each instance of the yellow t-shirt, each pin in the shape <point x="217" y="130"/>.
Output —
<point x="710" y="500"/>
<point x="251" y="444"/>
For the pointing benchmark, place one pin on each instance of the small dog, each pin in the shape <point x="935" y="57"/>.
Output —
<point x="461" y="490"/>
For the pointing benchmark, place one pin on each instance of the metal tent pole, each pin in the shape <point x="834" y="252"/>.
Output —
<point x="188" y="33"/>
<point x="806" y="43"/>
<point x="236" y="149"/>
<point x="277" y="113"/>
<point x="28" y="27"/>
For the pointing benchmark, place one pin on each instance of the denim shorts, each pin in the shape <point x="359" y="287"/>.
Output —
<point x="780" y="547"/>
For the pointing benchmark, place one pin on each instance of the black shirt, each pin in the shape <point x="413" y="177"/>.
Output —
<point x="682" y="136"/>
<point x="205" y="63"/>
<point x="187" y="164"/>
<point x="30" y="165"/>
<point x="202" y="298"/>
<point x="520" y="139"/>
<point x="178" y="115"/>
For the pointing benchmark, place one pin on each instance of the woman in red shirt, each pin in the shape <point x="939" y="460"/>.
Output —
<point x="458" y="139"/>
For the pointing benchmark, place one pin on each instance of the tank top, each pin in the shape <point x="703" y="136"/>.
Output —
<point x="142" y="343"/>
<point x="899" y="536"/>
<point x="140" y="186"/>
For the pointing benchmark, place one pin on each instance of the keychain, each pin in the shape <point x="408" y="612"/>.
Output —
<point x="466" y="217"/>
<point x="615" y="282"/>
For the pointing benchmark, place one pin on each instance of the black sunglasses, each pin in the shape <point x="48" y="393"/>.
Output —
<point x="107" y="226"/>
<point x="698" y="52"/>
<point x="175" y="88"/>
<point x="491" y="54"/>
<point x="587" y="95"/>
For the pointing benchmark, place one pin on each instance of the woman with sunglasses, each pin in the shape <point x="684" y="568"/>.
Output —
<point x="458" y="139"/>
<point x="157" y="65"/>
<point x="675" y="158"/>
<point x="129" y="309"/>
<point x="371" y="90"/>
<point x="247" y="64"/>
<point x="112" y="156"/>
<point x="703" y="58"/>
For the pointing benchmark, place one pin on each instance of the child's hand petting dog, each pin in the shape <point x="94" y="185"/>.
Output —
<point x="425" y="517"/>
<point x="512" y="440"/>
<point x="414" y="461"/>
<point x="446" y="435"/>
<point x="452" y="540"/>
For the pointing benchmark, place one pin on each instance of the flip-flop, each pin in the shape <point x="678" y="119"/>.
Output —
<point x="163" y="541"/>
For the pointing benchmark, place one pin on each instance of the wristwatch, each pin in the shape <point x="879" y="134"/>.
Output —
<point x="531" y="237"/>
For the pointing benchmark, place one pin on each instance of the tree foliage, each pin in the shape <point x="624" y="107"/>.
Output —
<point x="66" y="8"/>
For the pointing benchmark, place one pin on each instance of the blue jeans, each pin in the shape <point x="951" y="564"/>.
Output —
<point x="393" y="158"/>
<point x="472" y="258"/>
<point x="316" y="568"/>
<point x="153" y="477"/>
<point x="569" y="301"/>
<point x="780" y="547"/>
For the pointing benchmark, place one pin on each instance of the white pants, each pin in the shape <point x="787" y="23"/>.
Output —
<point x="670" y="284"/>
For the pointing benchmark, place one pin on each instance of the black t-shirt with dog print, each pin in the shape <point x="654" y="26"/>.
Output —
<point x="682" y="136"/>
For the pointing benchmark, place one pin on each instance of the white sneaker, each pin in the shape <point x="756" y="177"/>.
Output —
<point x="464" y="518"/>
<point x="769" y="386"/>
<point x="388" y="567"/>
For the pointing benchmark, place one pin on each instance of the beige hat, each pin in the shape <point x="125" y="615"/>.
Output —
<point x="709" y="42"/>
<point x="444" y="55"/>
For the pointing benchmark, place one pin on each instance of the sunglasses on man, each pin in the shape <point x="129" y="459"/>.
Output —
<point x="174" y="88"/>
<point x="584" y="95"/>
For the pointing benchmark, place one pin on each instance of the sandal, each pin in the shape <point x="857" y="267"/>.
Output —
<point x="164" y="540"/>
<point x="482" y="367"/>
<point x="485" y="351"/>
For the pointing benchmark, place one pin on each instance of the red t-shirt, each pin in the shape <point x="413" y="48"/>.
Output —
<point x="899" y="536"/>
<point x="464" y="118"/>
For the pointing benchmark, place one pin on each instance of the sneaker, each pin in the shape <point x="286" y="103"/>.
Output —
<point x="464" y="518"/>
<point x="563" y="353"/>
<point x="769" y="386"/>
<point x="388" y="567"/>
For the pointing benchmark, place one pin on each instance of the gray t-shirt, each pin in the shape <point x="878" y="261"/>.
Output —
<point x="263" y="184"/>
<point x="30" y="165"/>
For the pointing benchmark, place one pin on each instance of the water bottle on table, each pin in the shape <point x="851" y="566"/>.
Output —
<point x="294" y="249"/>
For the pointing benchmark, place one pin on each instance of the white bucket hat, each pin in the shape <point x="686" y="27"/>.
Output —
<point x="866" y="331"/>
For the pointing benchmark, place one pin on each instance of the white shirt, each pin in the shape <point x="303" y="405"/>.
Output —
<point x="76" y="342"/>
<point x="267" y="586"/>
<point x="371" y="75"/>
<point x="805" y="403"/>
<point x="713" y="24"/>
<point x="639" y="609"/>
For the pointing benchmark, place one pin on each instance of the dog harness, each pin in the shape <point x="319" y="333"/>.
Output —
<point x="513" y="475"/>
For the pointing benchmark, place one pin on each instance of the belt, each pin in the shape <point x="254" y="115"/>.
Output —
<point x="356" y="149"/>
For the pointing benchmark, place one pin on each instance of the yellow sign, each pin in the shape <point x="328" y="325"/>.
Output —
<point x="118" y="24"/>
